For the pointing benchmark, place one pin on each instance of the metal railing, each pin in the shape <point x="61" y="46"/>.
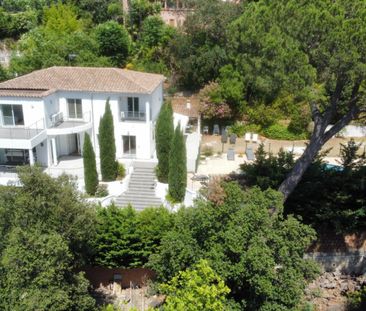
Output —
<point x="58" y="118"/>
<point x="22" y="132"/>
<point x="133" y="115"/>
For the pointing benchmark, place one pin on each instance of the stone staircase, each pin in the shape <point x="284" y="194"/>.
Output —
<point x="141" y="188"/>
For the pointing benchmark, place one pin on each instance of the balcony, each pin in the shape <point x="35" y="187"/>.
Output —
<point x="61" y="125"/>
<point x="133" y="116"/>
<point x="22" y="137"/>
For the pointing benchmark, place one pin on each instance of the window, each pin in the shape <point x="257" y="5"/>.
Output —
<point x="14" y="156"/>
<point x="133" y="104"/>
<point x="12" y="114"/>
<point x="75" y="108"/>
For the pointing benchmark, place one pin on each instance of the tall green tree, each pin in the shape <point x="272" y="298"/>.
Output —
<point x="107" y="146"/>
<point x="178" y="166"/>
<point x="46" y="231"/>
<point x="164" y="132"/>
<point x="199" y="49"/>
<point x="126" y="238"/>
<point x="38" y="274"/>
<point x="90" y="166"/>
<point x="315" y="49"/>
<point x="114" y="42"/>
<point x="60" y="35"/>
<point x="248" y="242"/>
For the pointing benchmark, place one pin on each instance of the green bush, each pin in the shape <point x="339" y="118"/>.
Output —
<point x="263" y="115"/>
<point x="121" y="171"/>
<point x="279" y="131"/>
<point x="102" y="191"/>
<point x="299" y="124"/>
<point x="240" y="128"/>
<point x="357" y="300"/>
<point x="237" y="128"/>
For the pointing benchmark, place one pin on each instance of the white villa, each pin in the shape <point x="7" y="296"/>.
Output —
<point x="45" y="114"/>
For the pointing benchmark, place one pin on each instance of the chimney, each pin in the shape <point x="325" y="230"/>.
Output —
<point x="188" y="105"/>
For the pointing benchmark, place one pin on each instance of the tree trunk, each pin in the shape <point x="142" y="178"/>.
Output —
<point x="301" y="165"/>
<point x="319" y="137"/>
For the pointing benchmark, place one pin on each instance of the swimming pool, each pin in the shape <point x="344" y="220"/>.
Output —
<point x="334" y="167"/>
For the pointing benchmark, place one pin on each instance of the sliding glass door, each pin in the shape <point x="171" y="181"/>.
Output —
<point x="129" y="145"/>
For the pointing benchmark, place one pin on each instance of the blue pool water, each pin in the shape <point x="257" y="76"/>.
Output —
<point x="334" y="167"/>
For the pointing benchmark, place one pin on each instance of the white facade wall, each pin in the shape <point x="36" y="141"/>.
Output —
<point x="38" y="112"/>
<point x="33" y="110"/>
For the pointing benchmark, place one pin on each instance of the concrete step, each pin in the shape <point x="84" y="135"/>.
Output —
<point x="141" y="183"/>
<point x="138" y="204"/>
<point x="142" y="164"/>
<point x="143" y="175"/>
<point x="141" y="188"/>
<point x="136" y="194"/>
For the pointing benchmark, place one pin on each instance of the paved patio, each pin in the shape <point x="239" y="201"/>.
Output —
<point x="273" y="145"/>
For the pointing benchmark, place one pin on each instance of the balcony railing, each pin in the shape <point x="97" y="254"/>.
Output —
<point x="133" y="115"/>
<point x="22" y="132"/>
<point x="58" y="119"/>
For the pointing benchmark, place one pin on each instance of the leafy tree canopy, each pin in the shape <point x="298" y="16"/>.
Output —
<point x="46" y="230"/>
<point x="126" y="238"/>
<point x="114" y="42"/>
<point x="61" y="18"/>
<point x="195" y="289"/>
<point x="256" y="251"/>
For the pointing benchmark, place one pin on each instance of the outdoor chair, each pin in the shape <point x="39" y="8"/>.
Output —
<point x="250" y="154"/>
<point x="248" y="137"/>
<point x="205" y="130"/>
<point x="231" y="154"/>
<point x="224" y="137"/>
<point x="216" y="130"/>
<point x="255" y="138"/>
<point x="233" y="139"/>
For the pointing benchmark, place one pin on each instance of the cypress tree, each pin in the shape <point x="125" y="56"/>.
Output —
<point x="107" y="147"/>
<point x="164" y="133"/>
<point x="178" y="167"/>
<point x="90" y="166"/>
<point x="164" y="137"/>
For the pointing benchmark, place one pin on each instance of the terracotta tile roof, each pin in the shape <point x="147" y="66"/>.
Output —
<point x="45" y="81"/>
<point x="179" y="105"/>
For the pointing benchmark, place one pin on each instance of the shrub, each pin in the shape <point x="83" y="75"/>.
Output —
<point x="357" y="300"/>
<point x="279" y="131"/>
<point x="102" y="191"/>
<point x="263" y="115"/>
<point x="121" y="171"/>
<point x="237" y="128"/>
<point x="299" y="124"/>
<point x="207" y="151"/>
<point x="212" y="104"/>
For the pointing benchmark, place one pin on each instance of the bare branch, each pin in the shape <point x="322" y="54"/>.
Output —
<point x="347" y="118"/>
